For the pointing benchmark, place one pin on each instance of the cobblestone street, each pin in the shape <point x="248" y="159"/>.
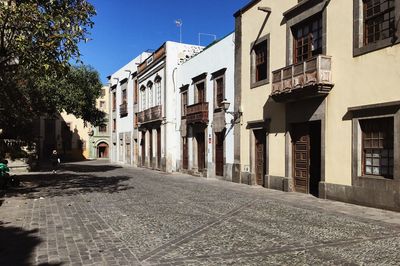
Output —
<point x="94" y="213"/>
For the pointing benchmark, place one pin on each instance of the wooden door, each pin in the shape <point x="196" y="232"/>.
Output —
<point x="260" y="155"/>
<point x="151" y="147"/>
<point x="128" y="153"/>
<point x="159" y="147"/>
<point x="185" y="154"/>
<point x="143" y="143"/>
<point x="301" y="157"/>
<point x="201" y="150"/>
<point x="219" y="154"/>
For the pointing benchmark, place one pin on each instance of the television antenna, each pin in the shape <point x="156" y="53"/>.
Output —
<point x="179" y="23"/>
<point x="206" y="34"/>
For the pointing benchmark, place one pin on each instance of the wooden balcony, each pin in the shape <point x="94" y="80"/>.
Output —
<point x="312" y="78"/>
<point x="123" y="109"/>
<point x="150" y="115"/>
<point x="197" y="113"/>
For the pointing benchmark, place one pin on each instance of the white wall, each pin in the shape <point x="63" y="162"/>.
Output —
<point x="219" y="55"/>
<point x="124" y="124"/>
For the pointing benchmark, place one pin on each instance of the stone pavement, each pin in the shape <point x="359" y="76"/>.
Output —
<point x="94" y="213"/>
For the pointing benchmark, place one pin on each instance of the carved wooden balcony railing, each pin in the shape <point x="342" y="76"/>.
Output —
<point x="150" y="115"/>
<point x="123" y="109"/>
<point x="197" y="113"/>
<point x="307" y="79"/>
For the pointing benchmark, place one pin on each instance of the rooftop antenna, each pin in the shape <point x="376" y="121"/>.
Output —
<point x="207" y="34"/>
<point x="179" y="23"/>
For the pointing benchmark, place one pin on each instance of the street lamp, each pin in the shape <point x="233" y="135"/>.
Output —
<point x="236" y="115"/>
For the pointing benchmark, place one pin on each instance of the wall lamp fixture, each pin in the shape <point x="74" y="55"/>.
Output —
<point x="236" y="115"/>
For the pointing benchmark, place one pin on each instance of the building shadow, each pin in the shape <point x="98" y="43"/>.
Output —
<point x="17" y="245"/>
<point x="84" y="168"/>
<point x="49" y="185"/>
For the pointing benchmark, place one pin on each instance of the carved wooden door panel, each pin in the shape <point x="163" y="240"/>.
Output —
<point x="219" y="154"/>
<point x="151" y="147"/>
<point x="201" y="149"/>
<point x="159" y="147"/>
<point x="301" y="158"/>
<point x="185" y="153"/>
<point x="143" y="143"/>
<point x="260" y="156"/>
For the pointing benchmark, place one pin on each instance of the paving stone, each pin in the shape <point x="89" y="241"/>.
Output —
<point x="94" y="213"/>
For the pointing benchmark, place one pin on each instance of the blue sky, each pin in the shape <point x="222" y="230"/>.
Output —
<point x="125" y="28"/>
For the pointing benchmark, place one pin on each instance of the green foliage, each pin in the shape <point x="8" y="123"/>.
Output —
<point x="38" y="40"/>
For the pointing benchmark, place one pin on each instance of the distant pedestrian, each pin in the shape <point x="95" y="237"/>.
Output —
<point x="55" y="160"/>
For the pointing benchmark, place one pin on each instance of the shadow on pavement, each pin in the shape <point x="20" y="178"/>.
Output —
<point x="80" y="167"/>
<point x="64" y="184"/>
<point x="84" y="168"/>
<point x="17" y="245"/>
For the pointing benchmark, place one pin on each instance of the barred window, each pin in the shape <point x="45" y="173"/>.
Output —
<point x="377" y="146"/>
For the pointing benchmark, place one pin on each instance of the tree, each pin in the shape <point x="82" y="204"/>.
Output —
<point x="38" y="40"/>
<point x="76" y="93"/>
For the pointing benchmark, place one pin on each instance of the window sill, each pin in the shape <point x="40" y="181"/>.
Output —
<point x="357" y="51"/>
<point x="376" y="177"/>
<point x="259" y="83"/>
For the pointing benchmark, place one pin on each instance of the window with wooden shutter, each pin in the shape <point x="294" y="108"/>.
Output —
<point x="307" y="38"/>
<point x="219" y="92"/>
<point x="184" y="102"/>
<point x="260" y="51"/>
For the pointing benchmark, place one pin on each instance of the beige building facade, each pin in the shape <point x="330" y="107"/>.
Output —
<point x="319" y="89"/>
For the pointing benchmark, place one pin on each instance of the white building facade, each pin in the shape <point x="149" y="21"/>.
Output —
<point x="157" y="116"/>
<point x="123" y="106"/>
<point x="206" y="82"/>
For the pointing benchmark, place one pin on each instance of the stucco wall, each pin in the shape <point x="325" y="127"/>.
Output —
<point x="255" y="104"/>
<point x="216" y="57"/>
<point x="368" y="79"/>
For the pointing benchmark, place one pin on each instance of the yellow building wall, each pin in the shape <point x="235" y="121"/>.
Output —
<point x="367" y="79"/>
<point x="255" y="99"/>
<point x="78" y="127"/>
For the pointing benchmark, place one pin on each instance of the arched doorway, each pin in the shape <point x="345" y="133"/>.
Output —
<point x="102" y="150"/>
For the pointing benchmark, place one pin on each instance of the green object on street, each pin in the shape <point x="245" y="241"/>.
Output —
<point x="3" y="169"/>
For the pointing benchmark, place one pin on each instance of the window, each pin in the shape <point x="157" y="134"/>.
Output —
<point x="103" y="92"/>
<point x="114" y="101"/>
<point x="136" y="121"/>
<point x="123" y="100"/>
<point x="375" y="25"/>
<point x="201" y="94"/>
<point x="259" y="65"/>
<point x="114" y="125"/>
<point x="260" y="51"/>
<point x="377" y="146"/>
<point x="102" y="105"/>
<point x="219" y="91"/>
<point x="379" y="20"/>
<point x="307" y="39"/>
<point x="103" y="128"/>
<point x="135" y="99"/>
<point x="143" y="98"/>
<point x="158" y="91"/>
<point x="184" y="102"/>
<point x="150" y="88"/>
